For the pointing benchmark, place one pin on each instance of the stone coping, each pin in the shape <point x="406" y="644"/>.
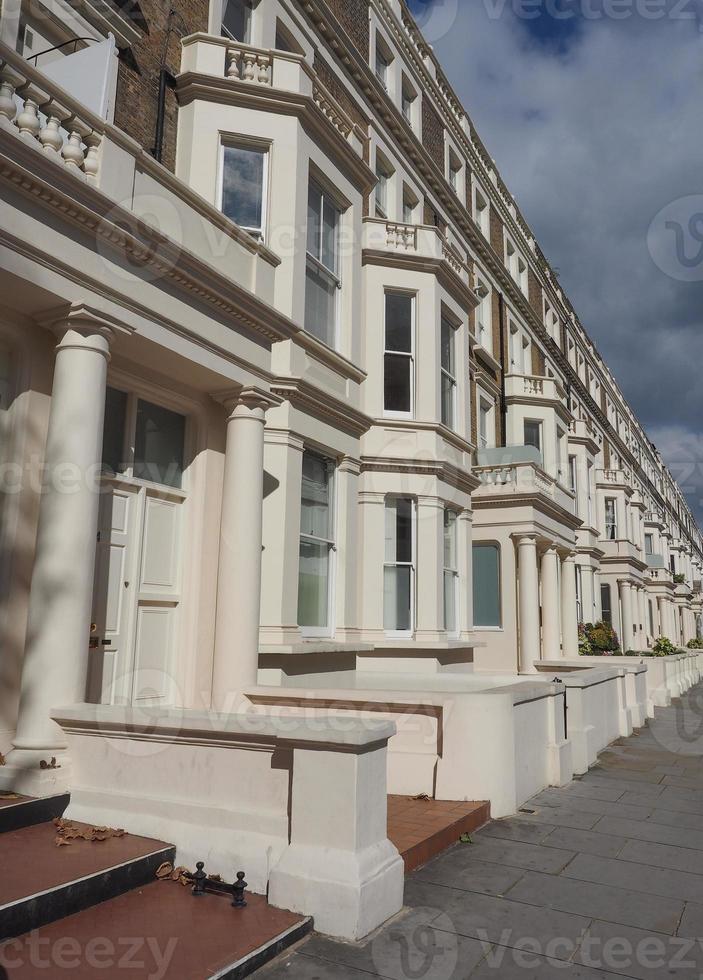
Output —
<point x="588" y="676"/>
<point x="579" y="665"/>
<point x="211" y="727"/>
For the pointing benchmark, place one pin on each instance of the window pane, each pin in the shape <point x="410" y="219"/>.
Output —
<point x="235" y="19"/>
<point x="532" y="434"/>
<point x="329" y="236"/>
<point x="450" y="602"/>
<point x="486" y="585"/>
<point x="314" y="219"/>
<point x="447" y="347"/>
<point x="605" y="604"/>
<point x="315" y="497"/>
<point x="320" y="304"/>
<point x="397" y="609"/>
<point x="243" y="186"/>
<point x="450" y="556"/>
<point x="447" y="401"/>
<point x="158" y="445"/>
<point x="399" y="322"/>
<point x="399" y="530"/>
<point x="397" y="383"/>
<point x="313" y="584"/>
<point x="113" y="431"/>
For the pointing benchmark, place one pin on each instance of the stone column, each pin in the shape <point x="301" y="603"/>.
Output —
<point x="528" y="604"/>
<point x="347" y="569"/>
<point x="644" y="618"/>
<point x="430" y="581"/>
<point x="569" y="619"/>
<point x="236" y="656"/>
<point x="626" y="620"/>
<point x="61" y="593"/>
<point x="551" y="649"/>
<point x="661" y="607"/>
<point x="466" y="583"/>
<point x="372" y="531"/>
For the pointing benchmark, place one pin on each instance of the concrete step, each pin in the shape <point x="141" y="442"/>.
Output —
<point x="24" y="811"/>
<point x="42" y="881"/>
<point x="159" y="930"/>
<point x="422" y="828"/>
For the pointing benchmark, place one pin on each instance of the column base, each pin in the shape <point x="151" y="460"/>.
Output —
<point x="349" y="893"/>
<point x="23" y="774"/>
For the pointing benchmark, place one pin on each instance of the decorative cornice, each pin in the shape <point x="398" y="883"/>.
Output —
<point x="37" y="176"/>
<point x="446" y="276"/>
<point x="312" y="400"/>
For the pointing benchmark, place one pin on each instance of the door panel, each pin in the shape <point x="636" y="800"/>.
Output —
<point x="160" y="547"/>
<point x="113" y="592"/>
<point x="152" y="682"/>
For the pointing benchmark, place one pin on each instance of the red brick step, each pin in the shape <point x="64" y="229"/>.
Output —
<point x="423" y="828"/>
<point x="162" y="926"/>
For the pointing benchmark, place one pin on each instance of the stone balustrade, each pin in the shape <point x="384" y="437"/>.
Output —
<point x="44" y="116"/>
<point x="521" y="477"/>
<point x="425" y="241"/>
<point x="248" y="64"/>
<point x="519" y="387"/>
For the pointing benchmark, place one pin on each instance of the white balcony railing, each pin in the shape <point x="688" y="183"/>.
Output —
<point x="521" y="478"/>
<point x="425" y="241"/>
<point x="527" y="387"/>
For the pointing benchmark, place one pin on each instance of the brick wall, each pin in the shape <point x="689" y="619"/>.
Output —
<point x="350" y="105"/>
<point x="495" y="300"/>
<point x="534" y="291"/>
<point x="497" y="235"/>
<point x="353" y="15"/>
<point x="432" y="132"/>
<point x="538" y="365"/>
<point x="606" y="454"/>
<point x="139" y="67"/>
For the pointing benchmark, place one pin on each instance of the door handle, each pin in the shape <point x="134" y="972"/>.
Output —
<point x="105" y="643"/>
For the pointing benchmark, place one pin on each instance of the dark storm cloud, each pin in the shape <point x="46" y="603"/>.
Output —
<point x="595" y="135"/>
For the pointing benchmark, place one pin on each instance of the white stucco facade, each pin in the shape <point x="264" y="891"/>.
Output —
<point x="358" y="465"/>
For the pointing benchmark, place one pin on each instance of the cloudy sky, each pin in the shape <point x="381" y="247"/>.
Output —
<point x="593" y="111"/>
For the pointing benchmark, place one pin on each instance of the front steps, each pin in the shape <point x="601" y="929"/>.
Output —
<point x="421" y="828"/>
<point x="55" y="897"/>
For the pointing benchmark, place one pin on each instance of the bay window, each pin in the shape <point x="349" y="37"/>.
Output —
<point x="448" y="373"/>
<point x="611" y="528"/>
<point x="322" y="281"/>
<point x="450" y="571"/>
<point x="399" y="566"/>
<point x="316" y="544"/>
<point x="398" y="360"/>
<point x="243" y="179"/>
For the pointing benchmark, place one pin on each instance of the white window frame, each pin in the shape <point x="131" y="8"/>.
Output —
<point x="329" y="630"/>
<point x="257" y="146"/>
<point x="482" y="215"/>
<point x="382" y="191"/>
<point x="484" y="311"/>
<point x="408" y="100"/>
<point x="611" y="525"/>
<point x="336" y="275"/>
<point x="485" y="401"/>
<point x="412" y="565"/>
<point x="540" y="433"/>
<point x="383" y="60"/>
<point x="454" y="572"/>
<point x="410" y="356"/>
<point x="445" y="373"/>
<point x="248" y="27"/>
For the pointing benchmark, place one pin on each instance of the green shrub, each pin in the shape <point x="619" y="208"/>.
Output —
<point x="663" y="647"/>
<point x="696" y="644"/>
<point x="679" y="579"/>
<point x="602" y="638"/>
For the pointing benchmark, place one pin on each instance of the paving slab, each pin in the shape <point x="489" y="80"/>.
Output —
<point x="638" y="877"/>
<point x="595" y="900"/>
<point x="517" y="854"/>
<point x="470" y="875"/>
<point x="585" y="842"/>
<point x="640" y="954"/>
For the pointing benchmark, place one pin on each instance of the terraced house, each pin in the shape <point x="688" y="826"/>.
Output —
<point x="304" y="448"/>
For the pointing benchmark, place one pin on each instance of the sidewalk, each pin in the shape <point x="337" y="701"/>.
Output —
<point x="604" y="879"/>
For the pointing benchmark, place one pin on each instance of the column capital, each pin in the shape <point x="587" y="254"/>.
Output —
<point x="84" y="320"/>
<point x="349" y="464"/>
<point x="525" y="539"/>
<point x="568" y="556"/>
<point x="247" y="401"/>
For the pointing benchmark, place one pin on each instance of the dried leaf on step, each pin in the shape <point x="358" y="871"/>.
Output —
<point x="2" y="759"/>
<point x="62" y="842"/>
<point x="421" y="796"/>
<point x="164" y="870"/>
<point x="53" y="764"/>
<point x="9" y="796"/>
<point x="69" y="831"/>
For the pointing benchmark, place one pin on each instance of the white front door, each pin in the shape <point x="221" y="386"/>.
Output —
<point x="137" y="591"/>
